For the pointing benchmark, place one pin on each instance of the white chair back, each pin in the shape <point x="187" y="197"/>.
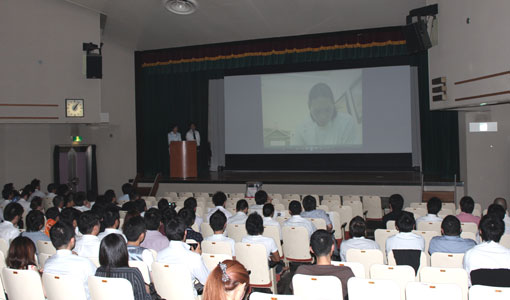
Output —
<point x="427" y="291"/>
<point x="334" y="216"/>
<point x="391" y="225"/>
<point x="481" y="292"/>
<point x="4" y="247"/>
<point x="456" y="276"/>
<point x="417" y="211"/>
<point x="46" y="247"/>
<point x="172" y="281"/>
<point x="381" y="235"/>
<point x="274" y="233"/>
<point x="212" y="260"/>
<point x="317" y="287"/>
<point x="206" y="229"/>
<point x="469" y="227"/>
<point x="61" y="287"/>
<point x="42" y="258"/>
<point x="264" y="296"/>
<point x="402" y="275"/>
<point x="446" y="260"/>
<point x="106" y="288"/>
<point x="380" y="289"/>
<point x="505" y="240"/>
<point x="357" y="268"/>
<point x="429" y="226"/>
<point x="427" y="236"/>
<point x="254" y="259"/>
<point x="217" y="247"/>
<point x="22" y="284"/>
<point x="357" y="207"/>
<point x="236" y="231"/>
<point x="372" y="205"/>
<point x="296" y="243"/>
<point x="319" y="223"/>
<point x="143" y="268"/>
<point x="367" y="257"/>
<point x="331" y="197"/>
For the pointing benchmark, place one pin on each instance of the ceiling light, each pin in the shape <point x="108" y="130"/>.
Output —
<point x="181" y="7"/>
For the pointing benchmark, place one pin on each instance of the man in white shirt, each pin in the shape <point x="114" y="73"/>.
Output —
<point x="268" y="212"/>
<point x="433" y="208"/>
<point x="296" y="220"/>
<point x="64" y="262"/>
<point x="357" y="229"/>
<point x="25" y="195"/>
<point x="311" y="211"/>
<point x="12" y="215"/>
<point x="489" y="254"/>
<point x="255" y="229"/>
<point x="36" y="185"/>
<point x="52" y="191"/>
<point x="127" y="188"/>
<point x="135" y="234"/>
<point x="88" y="244"/>
<point x="191" y="203"/>
<point x="193" y="134"/>
<point x="219" y="199"/>
<point x="180" y="253"/>
<point x="405" y="239"/>
<point x="218" y="223"/>
<point x="261" y="198"/>
<point x="111" y="222"/>
<point x="502" y="202"/>
<point x="241" y="213"/>
<point x="174" y="135"/>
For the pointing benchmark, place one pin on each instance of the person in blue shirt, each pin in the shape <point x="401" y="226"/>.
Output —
<point x="450" y="241"/>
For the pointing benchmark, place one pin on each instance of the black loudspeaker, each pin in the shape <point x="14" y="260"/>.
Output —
<point x="94" y="66"/>
<point x="417" y="37"/>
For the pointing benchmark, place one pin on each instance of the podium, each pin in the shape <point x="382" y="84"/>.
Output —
<point x="183" y="159"/>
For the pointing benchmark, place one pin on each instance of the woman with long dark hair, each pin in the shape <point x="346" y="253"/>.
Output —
<point x="228" y="281"/>
<point x="114" y="257"/>
<point x="21" y="254"/>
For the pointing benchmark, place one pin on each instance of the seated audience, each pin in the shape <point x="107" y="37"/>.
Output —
<point x="241" y="213"/>
<point x="36" y="204"/>
<point x="114" y="260"/>
<point x="35" y="222"/>
<point x="71" y="216"/>
<point x="322" y="245"/>
<point x="25" y="194"/>
<point x="163" y="204"/>
<point x="130" y="214"/>
<point x="130" y="205"/>
<point x="63" y="190"/>
<point x="228" y="281"/>
<point x="218" y="223"/>
<point x="58" y="202"/>
<point x="69" y="200"/>
<point x="219" y="199"/>
<point x="191" y="203"/>
<point x="52" y="217"/>
<point x="36" y="188"/>
<point x="80" y="202"/>
<point x="450" y="241"/>
<point x="110" y="197"/>
<point x="296" y="220"/>
<point x="178" y="252"/>
<point x="188" y="216"/>
<point x="357" y="230"/>
<point x="12" y="216"/>
<point x="64" y="262"/>
<point x="499" y="211"/>
<point x="135" y="234"/>
<point x="52" y="190"/>
<point x="489" y="254"/>
<point x="405" y="239"/>
<point x="111" y="222"/>
<point x="21" y="254"/>
<point x="88" y="244"/>
<point x="502" y="202"/>
<point x="311" y="211"/>
<point x="433" y="208"/>
<point x="153" y="238"/>
<point x="261" y="198"/>
<point x="127" y="188"/>
<point x="467" y="205"/>
<point x="255" y="229"/>
<point x="268" y="212"/>
<point x="140" y="206"/>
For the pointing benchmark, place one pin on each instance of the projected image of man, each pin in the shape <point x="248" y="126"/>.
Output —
<point x="325" y="125"/>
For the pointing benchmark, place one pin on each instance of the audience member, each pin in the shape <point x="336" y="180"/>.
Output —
<point x="12" y="216"/>
<point x="433" y="208"/>
<point x="35" y="222"/>
<point x="58" y="202"/>
<point x="241" y="213"/>
<point x="163" y="204"/>
<point x="153" y="238"/>
<point x="467" y="205"/>
<point x="52" y="190"/>
<point x="114" y="260"/>
<point x="500" y="212"/>
<point x="130" y="214"/>
<point x="450" y="241"/>
<point x="228" y="281"/>
<point x="178" y="252"/>
<point x="71" y="217"/>
<point x="191" y="203"/>
<point x="52" y="217"/>
<point x="80" y="202"/>
<point x="405" y="239"/>
<point x="322" y="245"/>
<point x="25" y="194"/>
<point x="218" y="223"/>
<point x="64" y="262"/>
<point x="69" y="200"/>
<point x="502" y="202"/>
<point x="36" y="204"/>
<point x="127" y="188"/>
<point x="111" y="223"/>
<point x="21" y="254"/>
<point x="135" y="234"/>
<point x="188" y="217"/>
<point x="130" y="204"/>
<point x="311" y="211"/>
<point x="88" y="244"/>
<point x="357" y="230"/>
<point x="261" y="198"/>
<point x="63" y="190"/>
<point x="268" y="213"/>
<point x="140" y="206"/>
<point x="489" y="254"/>
<point x="36" y="188"/>
<point x="219" y="199"/>
<point x="109" y="197"/>
<point x="296" y="220"/>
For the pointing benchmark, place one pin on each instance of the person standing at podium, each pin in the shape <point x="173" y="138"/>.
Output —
<point x="193" y="134"/>
<point x="174" y="135"/>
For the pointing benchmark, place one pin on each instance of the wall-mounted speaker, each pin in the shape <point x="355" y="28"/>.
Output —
<point x="417" y="37"/>
<point x="94" y="66"/>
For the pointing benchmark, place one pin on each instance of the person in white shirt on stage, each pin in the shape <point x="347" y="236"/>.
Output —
<point x="178" y="252"/>
<point x="219" y="199"/>
<point x="357" y="229"/>
<point x="405" y="239"/>
<point x="192" y="204"/>
<point x="261" y="198"/>
<point x="502" y="202"/>
<point x="111" y="222"/>
<point x="193" y="134"/>
<point x="9" y="227"/>
<point x="218" y="223"/>
<point x="489" y="254"/>
<point x="241" y="213"/>
<point x="174" y="135"/>
<point x="64" y="262"/>
<point x="433" y="208"/>
<point x="268" y="212"/>
<point x="296" y="220"/>
<point x="88" y="244"/>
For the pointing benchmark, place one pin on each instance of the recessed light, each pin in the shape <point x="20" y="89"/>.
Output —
<point x="181" y="7"/>
<point x="483" y="103"/>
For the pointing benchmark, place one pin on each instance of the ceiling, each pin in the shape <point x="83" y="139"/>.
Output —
<point x="145" y="24"/>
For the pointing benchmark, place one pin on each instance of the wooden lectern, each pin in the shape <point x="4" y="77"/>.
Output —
<point x="183" y="159"/>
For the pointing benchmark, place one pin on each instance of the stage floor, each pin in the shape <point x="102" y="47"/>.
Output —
<point x="313" y="178"/>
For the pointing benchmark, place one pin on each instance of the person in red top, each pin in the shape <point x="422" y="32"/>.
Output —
<point x="467" y="204"/>
<point x="52" y="217"/>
